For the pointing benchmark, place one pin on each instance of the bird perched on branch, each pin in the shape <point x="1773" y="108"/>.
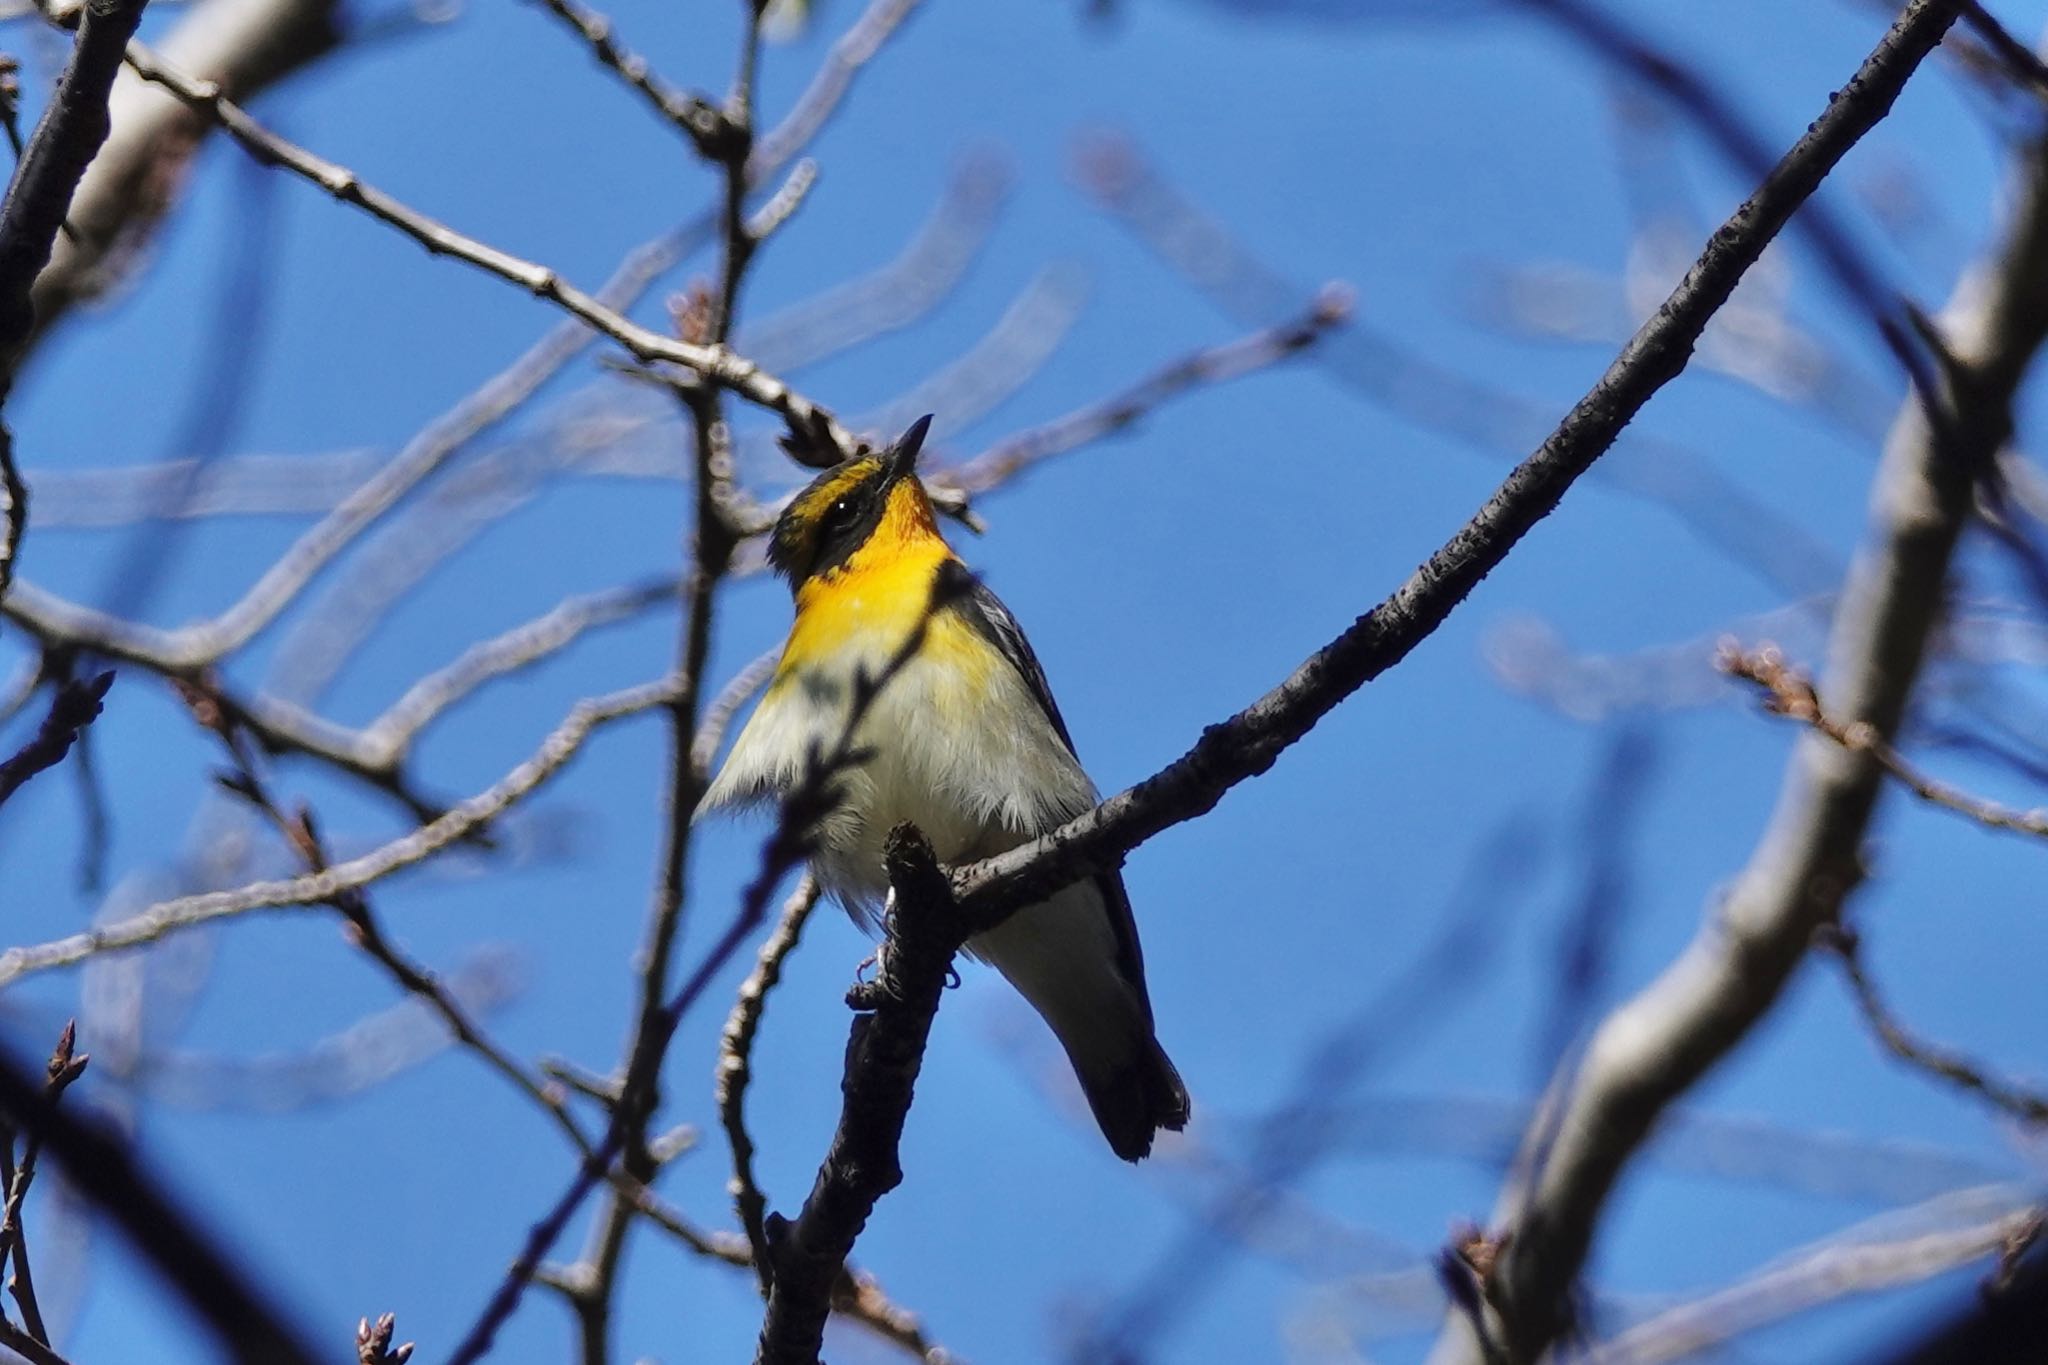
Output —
<point x="962" y="740"/>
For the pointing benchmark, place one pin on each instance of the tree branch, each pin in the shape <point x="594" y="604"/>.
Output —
<point x="103" y="1169"/>
<point x="1959" y="1071"/>
<point x="76" y="705"/>
<point x="883" y="1055"/>
<point x="736" y="1070"/>
<point x="71" y="132"/>
<point x="1790" y="693"/>
<point x="1810" y="857"/>
<point x="1248" y="743"/>
<point x="713" y="361"/>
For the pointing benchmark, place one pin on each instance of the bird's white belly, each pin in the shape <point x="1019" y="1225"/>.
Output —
<point x="973" y="763"/>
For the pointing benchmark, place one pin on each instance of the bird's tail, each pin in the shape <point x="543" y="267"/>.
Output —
<point x="1064" y="958"/>
<point x="1133" y="1097"/>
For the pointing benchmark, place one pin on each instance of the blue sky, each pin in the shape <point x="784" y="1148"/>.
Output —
<point x="1166" y="577"/>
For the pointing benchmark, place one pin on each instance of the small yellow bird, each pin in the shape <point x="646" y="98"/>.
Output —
<point x="964" y="741"/>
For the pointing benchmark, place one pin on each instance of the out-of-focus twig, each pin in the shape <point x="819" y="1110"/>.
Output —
<point x="374" y="1049"/>
<point x="367" y="932"/>
<point x="1789" y="692"/>
<point x="1948" y="1066"/>
<point x="1825" y="1274"/>
<point x="244" y="46"/>
<point x="1389" y="372"/>
<point x="66" y="1065"/>
<point x="76" y="705"/>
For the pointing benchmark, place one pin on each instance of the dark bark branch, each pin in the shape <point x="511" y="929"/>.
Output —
<point x="64" y="1068"/>
<point x="736" y="1070"/>
<point x="2028" y="1107"/>
<point x="101" y="1167"/>
<point x="1248" y="743"/>
<point x="246" y="47"/>
<point x="76" y="705"/>
<point x="882" y="1060"/>
<point x="888" y="1045"/>
<point x="71" y="131"/>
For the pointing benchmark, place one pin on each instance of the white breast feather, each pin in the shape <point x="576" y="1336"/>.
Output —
<point x="978" y="769"/>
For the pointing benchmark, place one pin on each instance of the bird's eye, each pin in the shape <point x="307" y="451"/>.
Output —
<point x="837" y="517"/>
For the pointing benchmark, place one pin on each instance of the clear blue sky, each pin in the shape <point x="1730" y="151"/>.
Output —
<point x="1166" y="577"/>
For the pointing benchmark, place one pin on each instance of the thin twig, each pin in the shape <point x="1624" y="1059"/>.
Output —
<point x="1789" y="692"/>
<point x="688" y="111"/>
<point x="2026" y="1106"/>
<point x="1827" y="1274"/>
<point x="167" y="917"/>
<point x="72" y="130"/>
<point x="1118" y="412"/>
<point x="736" y="1068"/>
<point x="300" y="833"/>
<point x="27" y="1347"/>
<point x="65" y="1067"/>
<point x="718" y="716"/>
<point x="714" y="362"/>
<point x="1248" y="743"/>
<point x="76" y="705"/>
<point x="103" y="1168"/>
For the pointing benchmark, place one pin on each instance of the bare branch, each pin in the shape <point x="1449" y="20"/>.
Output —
<point x="103" y="1169"/>
<point x="64" y="1068"/>
<point x="714" y="362"/>
<point x="736" y="1068"/>
<point x="1939" y="1062"/>
<point x="246" y="47"/>
<point x="692" y="114"/>
<point x="1107" y="416"/>
<point x="71" y="132"/>
<point x="167" y="917"/>
<point x="882" y="1061"/>
<point x="76" y="705"/>
<point x="374" y="1049"/>
<point x="1385" y="368"/>
<point x="1790" y="693"/>
<point x="1249" y="742"/>
<point x="1823" y="1275"/>
<point x="1810" y="858"/>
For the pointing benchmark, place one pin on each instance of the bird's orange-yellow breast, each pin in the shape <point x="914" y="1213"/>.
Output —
<point x="877" y="597"/>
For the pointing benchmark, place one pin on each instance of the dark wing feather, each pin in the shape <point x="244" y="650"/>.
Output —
<point x="961" y="591"/>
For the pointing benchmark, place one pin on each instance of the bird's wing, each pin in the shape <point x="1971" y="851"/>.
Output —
<point x="984" y="611"/>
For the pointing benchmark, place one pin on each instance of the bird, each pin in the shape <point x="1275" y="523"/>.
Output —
<point x="963" y="740"/>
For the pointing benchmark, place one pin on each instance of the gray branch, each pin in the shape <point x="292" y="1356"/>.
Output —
<point x="1654" y="1048"/>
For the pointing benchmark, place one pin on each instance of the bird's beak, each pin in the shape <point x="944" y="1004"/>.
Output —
<point x="903" y="455"/>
